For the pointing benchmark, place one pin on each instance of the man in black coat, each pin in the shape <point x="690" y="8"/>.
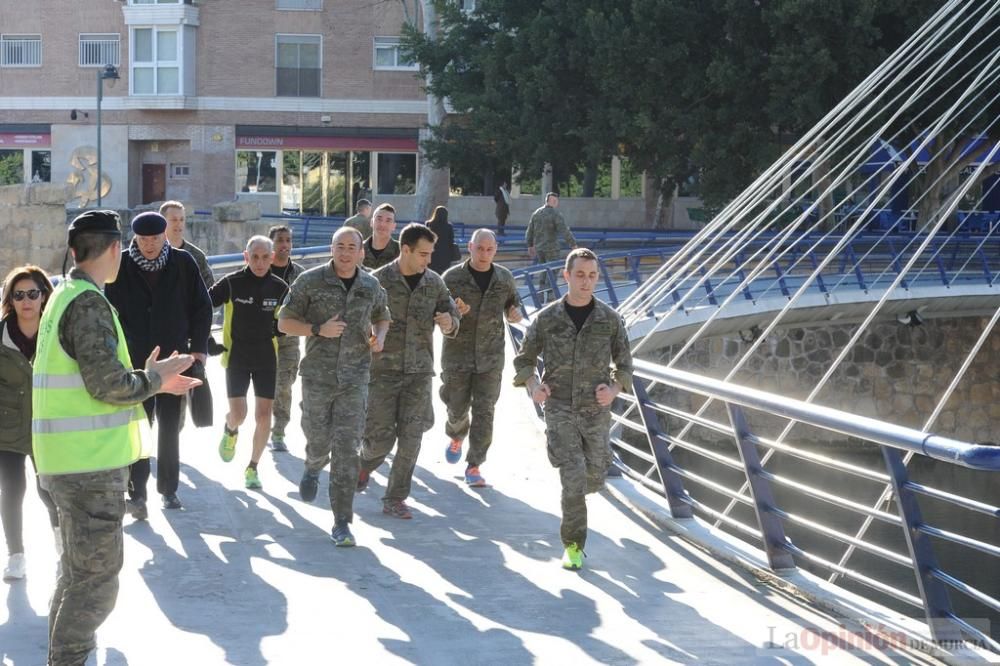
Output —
<point x="162" y="302"/>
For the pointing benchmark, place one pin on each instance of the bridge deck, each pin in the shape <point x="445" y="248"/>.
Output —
<point x="251" y="578"/>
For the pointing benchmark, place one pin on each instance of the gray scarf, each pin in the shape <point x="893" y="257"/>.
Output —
<point x="149" y="265"/>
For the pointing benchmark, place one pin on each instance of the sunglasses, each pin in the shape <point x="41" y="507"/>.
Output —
<point x="32" y="294"/>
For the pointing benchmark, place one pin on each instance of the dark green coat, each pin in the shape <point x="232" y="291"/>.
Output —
<point x="15" y="397"/>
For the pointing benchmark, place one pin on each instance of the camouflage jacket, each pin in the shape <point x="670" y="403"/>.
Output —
<point x="316" y="296"/>
<point x="409" y="346"/>
<point x="199" y="258"/>
<point x="388" y="255"/>
<point x="361" y="223"/>
<point x="576" y="363"/>
<point x="479" y="345"/>
<point x="288" y="273"/>
<point x="87" y="333"/>
<point x="545" y="227"/>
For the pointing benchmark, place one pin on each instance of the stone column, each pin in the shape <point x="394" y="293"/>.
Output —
<point x="33" y="226"/>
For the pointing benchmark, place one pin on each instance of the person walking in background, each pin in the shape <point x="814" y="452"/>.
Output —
<point x="445" y="249"/>
<point x="288" y="347"/>
<point x="342" y="312"/>
<point x="361" y="220"/>
<point x="399" y="394"/>
<point x="161" y="299"/>
<point x="578" y="336"/>
<point x="173" y="213"/>
<point x="251" y="297"/>
<point x="25" y="292"/>
<point x="545" y="228"/>
<point x="380" y="248"/>
<point x="502" y="199"/>
<point x="472" y="361"/>
<point x="88" y="428"/>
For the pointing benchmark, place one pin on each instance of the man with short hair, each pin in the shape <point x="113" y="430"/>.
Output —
<point x="87" y="428"/>
<point x="399" y="394"/>
<point x="578" y="336"/>
<point x="472" y="361"/>
<point x="288" y="346"/>
<point x="162" y="302"/>
<point x="342" y="312"/>
<point x="360" y="220"/>
<point x="542" y="236"/>
<point x="173" y="212"/>
<point x="251" y="297"/>
<point x="380" y="248"/>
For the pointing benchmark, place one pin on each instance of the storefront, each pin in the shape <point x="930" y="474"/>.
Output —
<point x="323" y="171"/>
<point x="25" y="154"/>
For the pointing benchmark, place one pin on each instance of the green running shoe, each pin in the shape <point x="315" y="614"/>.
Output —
<point x="341" y="536"/>
<point x="227" y="445"/>
<point x="252" y="480"/>
<point x="572" y="558"/>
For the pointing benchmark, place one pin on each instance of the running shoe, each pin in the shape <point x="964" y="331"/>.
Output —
<point x="473" y="478"/>
<point x="572" y="558"/>
<point x="278" y="444"/>
<point x="308" y="486"/>
<point x="137" y="508"/>
<point x="16" y="567"/>
<point x="252" y="479"/>
<point x="171" y="501"/>
<point x="341" y="535"/>
<point x="397" y="509"/>
<point x="454" y="451"/>
<point x="227" y="445"/>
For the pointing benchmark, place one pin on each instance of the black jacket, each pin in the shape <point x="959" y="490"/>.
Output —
<point x="176" y="315"/>
<point x="444" y="249"/>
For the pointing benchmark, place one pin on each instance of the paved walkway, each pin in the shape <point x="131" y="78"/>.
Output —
<point x="250" y="578"/>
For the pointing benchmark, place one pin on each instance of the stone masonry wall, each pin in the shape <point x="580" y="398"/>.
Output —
<point x="894" y="373"/>
<point x="33" y="226"/>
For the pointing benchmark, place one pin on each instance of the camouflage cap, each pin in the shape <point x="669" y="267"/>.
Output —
<point x="95" y="222"/>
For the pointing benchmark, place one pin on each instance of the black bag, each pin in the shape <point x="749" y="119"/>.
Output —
<point x="200" y="397"/>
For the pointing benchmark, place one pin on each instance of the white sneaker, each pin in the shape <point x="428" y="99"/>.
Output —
<point x="15" y="568"/>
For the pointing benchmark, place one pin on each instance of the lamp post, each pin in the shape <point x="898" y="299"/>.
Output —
<point x="108" y="72"/>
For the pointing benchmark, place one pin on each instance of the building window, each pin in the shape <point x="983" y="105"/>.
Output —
<point x="98" y="50"/>
<point x="41" y="166"/>
<point x="256" y="171"/>
<point x="180" y="171"/>
<point x="20" y="50"/>
<point x="397" y="173"/>
<point x="155" y="62"/>
<point x="388" y="55"/>
<point x="467" y="6"/>
<point x="300" y="4"/>
<point x="298" y="65"/>
<point x="11" y="167"/>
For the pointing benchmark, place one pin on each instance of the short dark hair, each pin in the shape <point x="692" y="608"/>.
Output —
<point x="579" y="253"/>
<point x="414" y="232"/>
<point x="26" y="272"/>
<point x="279" y="229"/>
<point x="167" y="205"/>
<point x="386" y="207"/>
<point x="362" y="203"/>
<point x="89" y="245"/>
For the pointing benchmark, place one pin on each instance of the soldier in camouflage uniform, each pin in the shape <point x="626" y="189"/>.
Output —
<point x="472" y="362"/>
<point x="542" y="236"/>
<point x="399" y="407"/>
<point x="577" y="336"/>
<point x="176" y="218"/>
<point x="343" y="311"/>
<point x="288" y="346"/>
<point x="360" y="220"/>
<point x="91" y="504"/>
<point x="380" y="248"/>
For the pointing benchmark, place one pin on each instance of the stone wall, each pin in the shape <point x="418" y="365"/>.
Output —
<point x="895" y="373"/>
<point x="33" y="226"/>
<point x="227" y="231"/>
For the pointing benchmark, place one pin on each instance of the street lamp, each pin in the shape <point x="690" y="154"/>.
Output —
<point x="109" y="72"/>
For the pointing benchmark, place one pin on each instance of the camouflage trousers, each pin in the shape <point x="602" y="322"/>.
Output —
<point x="90" y="520"/>
<point x="333" y="419"/>
<point x="478" y="391"/>
<point x="288" y="367"/>
<point x="545" y="293"/>
<point x="578" y="446"/>
<point x="399" y="412"/>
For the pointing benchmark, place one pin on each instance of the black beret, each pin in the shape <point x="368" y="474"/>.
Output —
<point x="149" y="223"/>
<point x="95" y="222"/>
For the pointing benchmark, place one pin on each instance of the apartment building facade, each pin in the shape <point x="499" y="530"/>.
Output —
<point x="302" y="105"/>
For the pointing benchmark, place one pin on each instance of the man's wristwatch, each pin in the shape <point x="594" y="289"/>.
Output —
<point x="315" y="330"/>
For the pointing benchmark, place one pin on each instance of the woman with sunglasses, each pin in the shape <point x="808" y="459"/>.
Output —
<point x="25" y="290"/>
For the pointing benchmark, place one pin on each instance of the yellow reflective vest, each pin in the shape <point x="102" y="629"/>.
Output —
<point x="71" y="432"/>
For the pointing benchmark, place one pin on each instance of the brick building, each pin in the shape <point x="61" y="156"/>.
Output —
<point x="302" y="105"/>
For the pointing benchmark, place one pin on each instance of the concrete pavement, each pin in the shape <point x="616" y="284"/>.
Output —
<point x="251" y="578"/>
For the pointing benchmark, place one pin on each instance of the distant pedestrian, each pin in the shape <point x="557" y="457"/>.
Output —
<point x="579" y="338"/>
<point x="445" y="249"/>
<point x="25" y="292"/>
<point x="545" y="228"/>
<point x="361" y="220"/>
<point x="251" y="297"/>
<point x="288" y="346"/>
<point x="399" y="394"/>
<point x="342" y="312"/>
<point x="381" y="248"/>
<point x="472" y="362"/>
<point x="502" y="211"/>
<point x="173" y="212"/>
